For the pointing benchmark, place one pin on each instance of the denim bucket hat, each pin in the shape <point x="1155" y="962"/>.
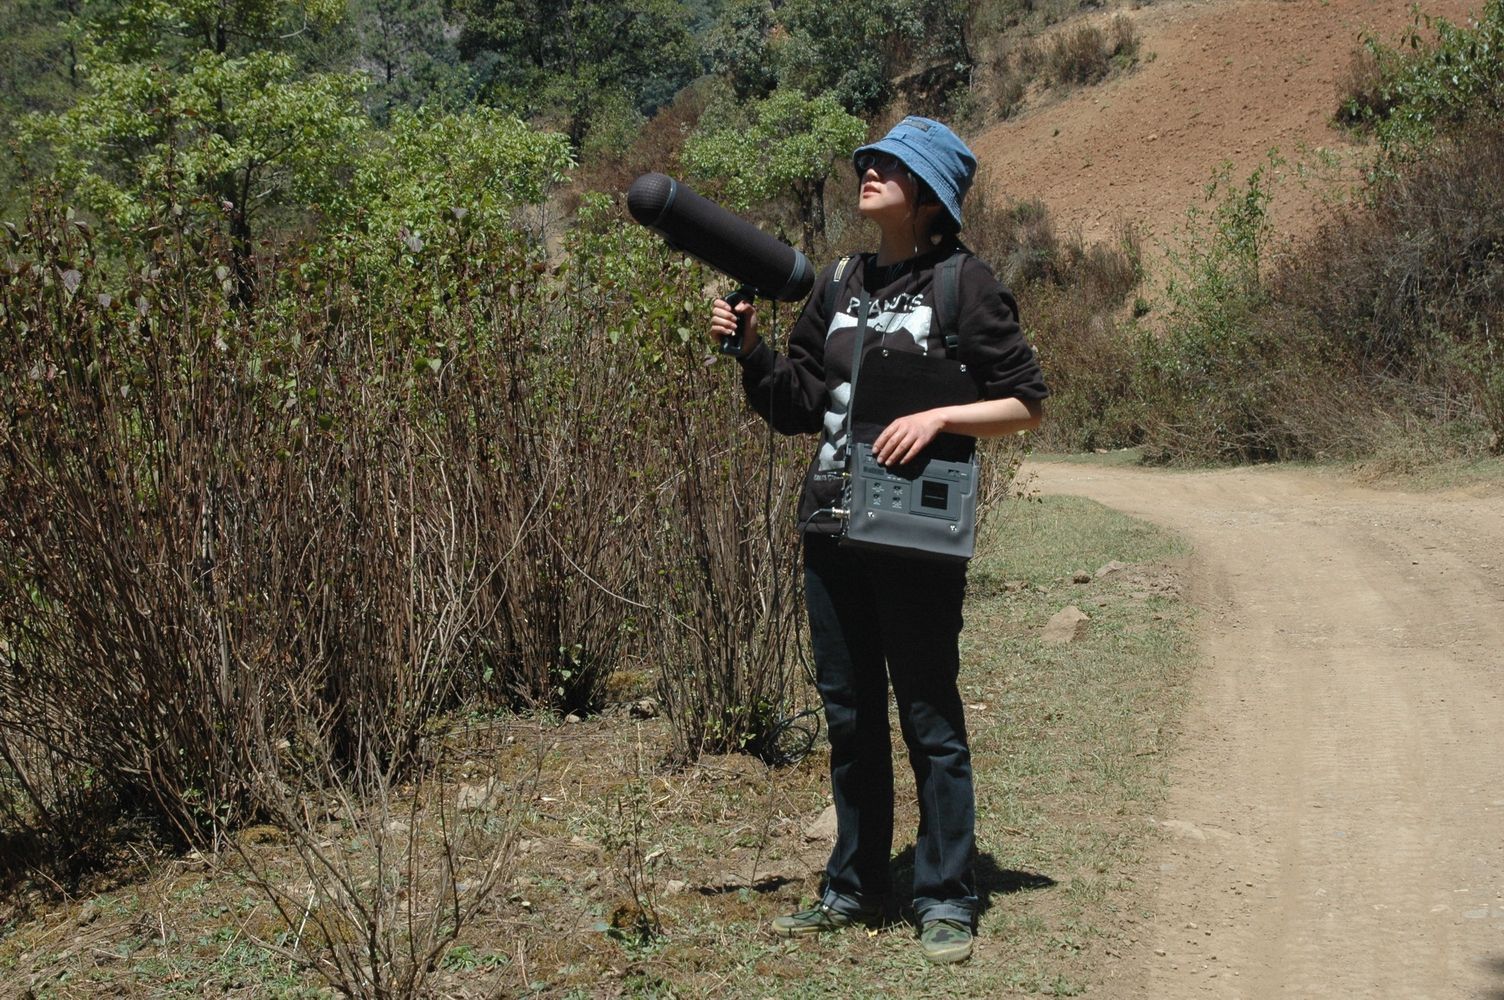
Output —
<point x="934" y="154"/>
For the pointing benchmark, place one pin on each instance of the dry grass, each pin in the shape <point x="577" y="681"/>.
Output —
<point x="634" y="877"/>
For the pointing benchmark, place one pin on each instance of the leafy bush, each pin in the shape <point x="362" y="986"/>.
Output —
<point x="1214" y="382"/>
<point x="1408" y="97"/>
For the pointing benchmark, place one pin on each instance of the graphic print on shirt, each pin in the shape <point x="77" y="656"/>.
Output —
<point x="889" y="319"/>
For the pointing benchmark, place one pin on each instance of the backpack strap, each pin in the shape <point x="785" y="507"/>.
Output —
<point x="837" y="282"/>
<point x="948" y="299"/>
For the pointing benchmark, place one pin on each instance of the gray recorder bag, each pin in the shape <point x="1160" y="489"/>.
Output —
<point x="926" y="508"/>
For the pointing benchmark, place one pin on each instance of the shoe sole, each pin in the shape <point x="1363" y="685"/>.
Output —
<point x="793" y="932"/>
<point x="948" y="957"/>
<point x="806" y="931"/>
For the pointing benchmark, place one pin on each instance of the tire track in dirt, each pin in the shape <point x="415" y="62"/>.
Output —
<point x="1335" y="825"/>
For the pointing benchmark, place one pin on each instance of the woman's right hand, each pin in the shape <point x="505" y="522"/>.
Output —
<point x="723" y="323"/>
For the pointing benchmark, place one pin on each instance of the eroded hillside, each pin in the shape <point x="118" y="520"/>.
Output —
<point x="1218" y="81"/>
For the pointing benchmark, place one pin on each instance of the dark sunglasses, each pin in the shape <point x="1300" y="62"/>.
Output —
<point x="883" y="163"/>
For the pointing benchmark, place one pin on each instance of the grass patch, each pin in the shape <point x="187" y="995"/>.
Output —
<point x="1480" y="473"/>
<point x="1115" y="457"/>
<point x="633" y="878"/>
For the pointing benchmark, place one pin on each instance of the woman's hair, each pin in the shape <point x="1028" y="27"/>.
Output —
<point x="942" y="223"/>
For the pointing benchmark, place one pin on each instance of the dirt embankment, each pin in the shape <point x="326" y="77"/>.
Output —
<point x="1218" y="81"/>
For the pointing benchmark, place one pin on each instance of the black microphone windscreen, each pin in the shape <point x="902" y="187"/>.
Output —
<point x="727" y="242"/>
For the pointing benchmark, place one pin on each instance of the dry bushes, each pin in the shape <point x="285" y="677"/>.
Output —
<point x="1409" y="285"/>
<point x="1076" y="56"/>
<point x="1071" y="299"/>
<point x="1383" y="326"/>
<point x="1087" y="53"/>
<point x="1424" y="252"/>
<point x="387" y="877"/>
<point x="134" y="540"/>
<point x="234" y="544"/>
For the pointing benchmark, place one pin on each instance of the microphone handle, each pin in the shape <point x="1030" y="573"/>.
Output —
<point x="732" y="345"/>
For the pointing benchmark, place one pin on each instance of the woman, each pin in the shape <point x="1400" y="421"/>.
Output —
<point x="874" y="616"/>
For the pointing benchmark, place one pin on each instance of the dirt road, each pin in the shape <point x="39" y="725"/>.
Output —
<point x="1335" y="826"/>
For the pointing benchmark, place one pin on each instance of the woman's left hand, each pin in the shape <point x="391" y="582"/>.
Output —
<point x="903" y="439"/>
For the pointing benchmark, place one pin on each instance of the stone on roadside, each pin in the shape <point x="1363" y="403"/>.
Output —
<point x="471" y="797"/>
<point x="1185" y="830"/>
<point x="1080" y="576"/>
<point x="823" y="827"/>
<point x="1066" y="625"/>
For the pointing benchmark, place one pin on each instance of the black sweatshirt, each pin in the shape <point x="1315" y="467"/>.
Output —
<point x="809" y="389"/>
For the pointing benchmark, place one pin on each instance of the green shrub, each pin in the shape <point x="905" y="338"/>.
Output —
<point x="1407" y="97"/>
<point x="1207" y="380"/>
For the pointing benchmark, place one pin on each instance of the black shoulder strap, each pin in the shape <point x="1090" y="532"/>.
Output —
<point x="837" y="282"/>
<point x="948" y="299"/>
<point x="859" y="341"/>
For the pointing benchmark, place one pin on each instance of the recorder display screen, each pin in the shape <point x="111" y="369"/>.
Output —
<point x="933" y="495"/>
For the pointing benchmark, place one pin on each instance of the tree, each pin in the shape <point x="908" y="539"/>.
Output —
<point x="790" y="146"/>
<point x="38" y="72"/>
<point x="551" y="58"/>
<point x="853" y="50"/>
<point x="850" y="49"/>
<point x="739" y="49"/>
<point x="37" y="63"/>
<point x="431" y="167"/>
<point x="174" y="30"/>
<point x="182" y="101"/>
<point x="405" y="46"/>
<point x="225" y="138"/>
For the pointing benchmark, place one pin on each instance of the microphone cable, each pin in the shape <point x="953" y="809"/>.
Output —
<point x="777" y="748"/>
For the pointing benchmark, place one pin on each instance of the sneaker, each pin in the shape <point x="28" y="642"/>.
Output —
<point x="821" y="918"/>
<point x="946" y="941"/>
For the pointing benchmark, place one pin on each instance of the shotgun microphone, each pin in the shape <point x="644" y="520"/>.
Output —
<point x="764" y="265"/>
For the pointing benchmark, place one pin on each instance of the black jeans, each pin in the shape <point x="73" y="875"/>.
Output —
<point x="873" y="617"/>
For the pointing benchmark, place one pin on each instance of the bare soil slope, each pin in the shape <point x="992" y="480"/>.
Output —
<point x="1335" y="826"/>
<point x="1219" y="81"/>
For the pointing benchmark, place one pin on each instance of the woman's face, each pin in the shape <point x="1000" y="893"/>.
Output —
<point x="887" y="190"/>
